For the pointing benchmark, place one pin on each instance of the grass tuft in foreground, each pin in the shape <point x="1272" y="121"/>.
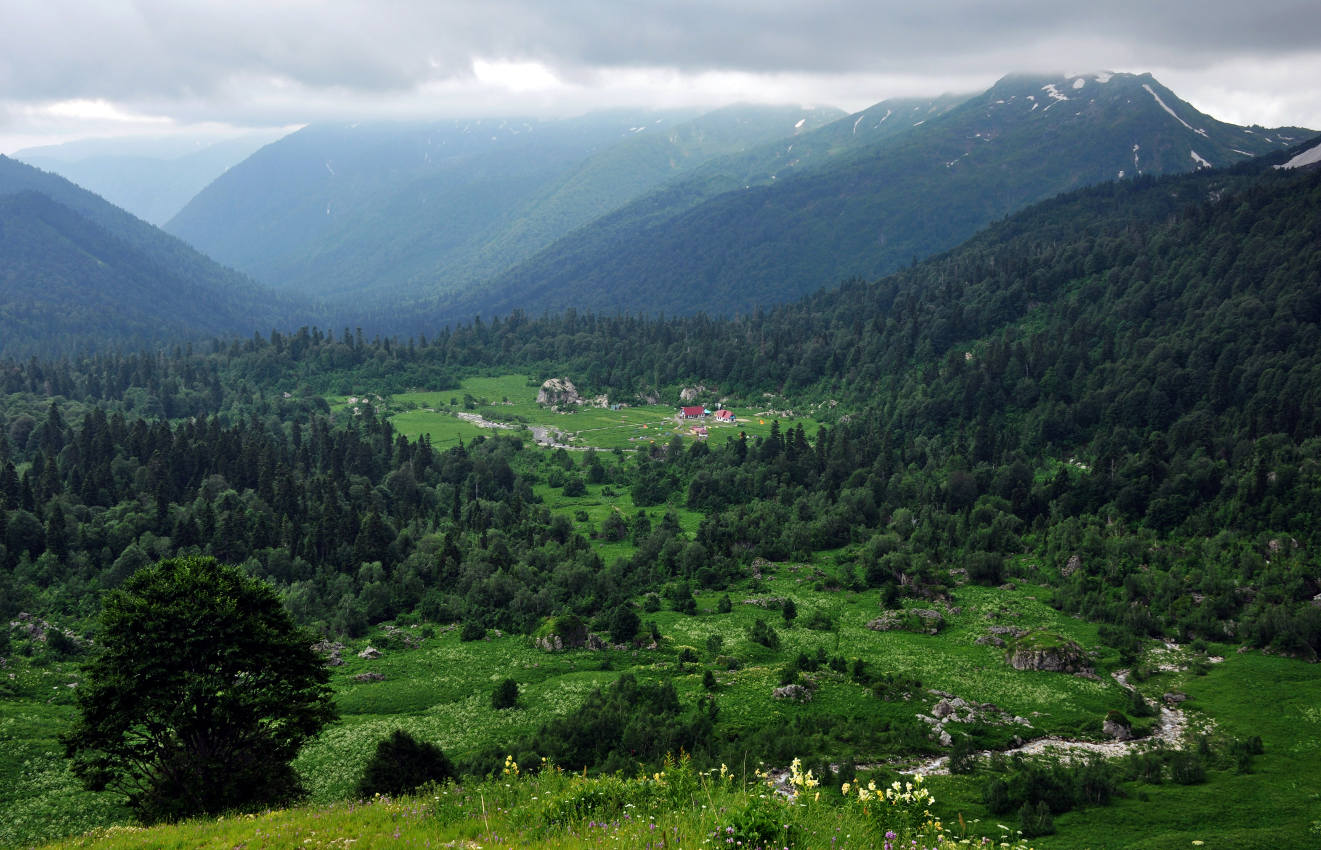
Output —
<point x="675" y="807"/>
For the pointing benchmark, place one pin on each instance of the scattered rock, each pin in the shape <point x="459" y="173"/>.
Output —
<point x="330" y="651"/>
<point x="409" y="641"/>
<point x="797" y="693"/>
<point x="1072" y="565"/>
<point x="769" y="602"/>
<point x="369" y="677"/>
<point x="370" y="653"/>
<point x="990" y="640"/>
<point x="1174" y="697"/>
<point x="35" y="628"/>
<point x="918" y="620"/>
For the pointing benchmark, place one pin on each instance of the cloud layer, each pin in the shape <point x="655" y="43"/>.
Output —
<point x="107" y="65"/>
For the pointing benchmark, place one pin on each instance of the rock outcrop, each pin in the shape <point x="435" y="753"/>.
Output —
<point x="1044" y="651"/>
<point x="559" y="392"/>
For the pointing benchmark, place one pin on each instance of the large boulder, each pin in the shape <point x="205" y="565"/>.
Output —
<point x="558" y="392"/>
<point x="1117" y="726"/>
<point x="1039" y="650"/>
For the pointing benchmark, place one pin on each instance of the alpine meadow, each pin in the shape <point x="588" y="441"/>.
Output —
<point x="944" y="473"/>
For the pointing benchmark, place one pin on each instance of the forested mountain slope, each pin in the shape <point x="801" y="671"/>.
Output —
<point x="389" y="210"/>
<point x="151" y="178"/>
<point x="82" y="274"/>
<point x="877" y="206"/>
<point x="1126" y="374"/>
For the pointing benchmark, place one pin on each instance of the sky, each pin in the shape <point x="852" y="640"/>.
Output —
<point x="74" y="69"/>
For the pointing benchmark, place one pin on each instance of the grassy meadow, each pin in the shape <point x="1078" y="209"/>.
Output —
<point x="440" y="691"/>
<point x="512" y="400"/>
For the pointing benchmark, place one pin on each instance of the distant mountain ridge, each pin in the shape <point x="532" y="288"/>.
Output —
<point x="152" y="179"/>
<point x="391" y="210"/>
<point x="78" y="273"/>
<point x="873" y="207"/>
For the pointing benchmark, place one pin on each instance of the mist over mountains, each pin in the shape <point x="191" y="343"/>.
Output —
<point x="401" y="228"/>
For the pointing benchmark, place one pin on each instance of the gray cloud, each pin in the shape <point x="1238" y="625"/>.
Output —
<point x="246" y="61"/>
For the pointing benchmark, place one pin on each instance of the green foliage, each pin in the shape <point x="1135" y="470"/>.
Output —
<point x="628" y="722"/>
<point x="402" y="764"/>
<point x="505" y="694"/>
<point x="83" y="274"/>
<point x="789" y="611"/>
<point x="763" y="634"/>
<point x="624" y="624"/>
<point x="201" y="695"/>
<point x="1035" y="821"/>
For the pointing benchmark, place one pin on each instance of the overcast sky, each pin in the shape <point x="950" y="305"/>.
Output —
<point x="86" y="68"/>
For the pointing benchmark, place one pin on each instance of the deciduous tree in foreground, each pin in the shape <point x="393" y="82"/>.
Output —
<point x="201" y="695"/>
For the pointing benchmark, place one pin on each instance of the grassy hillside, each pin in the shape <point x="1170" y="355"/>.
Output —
<point x="440" y="692"/>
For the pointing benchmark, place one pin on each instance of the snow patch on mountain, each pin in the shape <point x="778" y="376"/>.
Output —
<point x="1201" y="163"/>
<point x="1079" y="83"/>
<point x="1055" y="94"/>
<point x="1163" y="105"/>
<point x="1307" y="157"/>
<point x="1104" y="77"/>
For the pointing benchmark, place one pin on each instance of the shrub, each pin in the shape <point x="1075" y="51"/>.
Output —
<point x="1035" y="820"/>
<point x="624" y="624"/>
<point x="402" y="764"/>
<point x="1187" y="768"/>
<point x="819" y="621"/>
<point x="505" y="695"/>
<point x="472" y="630"/>
<point x="763" y="634"/>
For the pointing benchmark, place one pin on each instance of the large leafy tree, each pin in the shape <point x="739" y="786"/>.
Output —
<point x="201" y="695"/>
